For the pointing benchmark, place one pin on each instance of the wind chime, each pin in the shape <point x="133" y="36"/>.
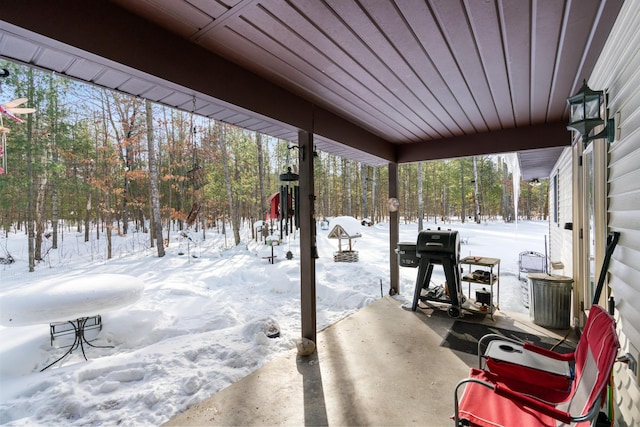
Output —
<point x="289" y="201"/>
<point x="196" y="179"/>
<point x="195" y="174"/>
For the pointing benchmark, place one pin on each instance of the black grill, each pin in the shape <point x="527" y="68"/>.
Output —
<point x="439" y="247"/>
<point x="439" y="241"/>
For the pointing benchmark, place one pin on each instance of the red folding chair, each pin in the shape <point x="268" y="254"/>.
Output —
<point x="547" y="368"/>
<point x="490" y="399"/>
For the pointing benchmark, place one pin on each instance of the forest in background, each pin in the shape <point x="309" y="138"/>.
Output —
<point x="92" y="159"/>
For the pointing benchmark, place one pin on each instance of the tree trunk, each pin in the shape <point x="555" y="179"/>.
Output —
<point x="506" y="205"/>
<point x="87" y="213"/>
<point x="105" y="173"/>
<point x="373" y="195"/>
<point x="54" y="216"/>
<point x="435" y="194"/>
<point x="349" y="204"/>
<point x="54" y="187"/>
<point x="345" y="173"/>
<point x="445" y="195"/>
<point x="463" y="209"/>
<point x="109" y="227"/>
<point x="475" y="192"/>
<point x="542" y="209"/>
<point x="263" y="198"/>
<point x="30" y="213"/>
<point x="153" y="182"/>
<point x="420" y="201"/>
<point x="363" y="178"/>
<point x="235" y="223"/>
<point x="39" y="210"/>
<point x="327" y="193"/>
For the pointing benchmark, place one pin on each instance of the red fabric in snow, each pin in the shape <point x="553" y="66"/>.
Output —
<point x="274" y="206"/>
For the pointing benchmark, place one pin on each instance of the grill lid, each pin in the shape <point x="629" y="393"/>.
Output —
<point x="438" y="241"/>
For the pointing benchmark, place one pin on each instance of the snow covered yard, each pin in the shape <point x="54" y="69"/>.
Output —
<point x="201" y="322"/>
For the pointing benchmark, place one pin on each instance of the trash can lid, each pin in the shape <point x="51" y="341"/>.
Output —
<point x="549" y="277"/>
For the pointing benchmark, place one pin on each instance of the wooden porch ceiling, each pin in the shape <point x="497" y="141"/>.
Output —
<point x="375" y="81"/>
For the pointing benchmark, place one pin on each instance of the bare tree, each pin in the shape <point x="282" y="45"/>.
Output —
<point x="506" y="199"/>
<point x="463" y="209"/>
<point x="126" y="111"/>
<point x="235" y="220"/>
<point x="373" y="194"/>
<point x="420" y="201"/>
<point x="363" y="179"/>
<point x="263" y="203"/>
<point x="476" y="193"/>
<point x="156" y="225"/>
<point x="30" y="213"/>
<point x="348" y="175"/>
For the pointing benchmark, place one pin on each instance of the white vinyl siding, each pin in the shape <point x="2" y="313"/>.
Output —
<point x="618" y="71"/>
<point x="560" y="239"/>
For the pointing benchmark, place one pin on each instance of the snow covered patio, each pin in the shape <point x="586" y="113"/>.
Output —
<point x="197" y="331"/>
<point x="383" y="365"/>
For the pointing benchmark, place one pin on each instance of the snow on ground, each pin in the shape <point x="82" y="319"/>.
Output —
<point x="52" y="301"/>
<point x="202" y="320"/>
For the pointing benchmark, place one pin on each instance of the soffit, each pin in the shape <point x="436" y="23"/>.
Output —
<point x="376" y="81"/>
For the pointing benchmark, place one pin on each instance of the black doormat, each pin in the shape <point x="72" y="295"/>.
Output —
<point x="464" y="336"/>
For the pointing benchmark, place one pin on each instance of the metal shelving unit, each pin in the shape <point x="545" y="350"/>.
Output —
<point x="488" y="275"/>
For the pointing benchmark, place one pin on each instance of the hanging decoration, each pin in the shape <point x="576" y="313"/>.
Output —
<point x="289" y="198"/>
<point x="393" y="204"/>
<point x="10" y="109"/>
<point x="195" y="177"/>
<point x="196" y="174"/>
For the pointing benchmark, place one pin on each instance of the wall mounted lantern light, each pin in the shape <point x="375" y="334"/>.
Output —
<point x="585" y="113"/>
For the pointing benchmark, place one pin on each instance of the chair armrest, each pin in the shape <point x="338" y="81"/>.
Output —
<point x="568" y="357"/>
<point x="456" y="414"/>
<point x="490" y="337"/>
<point x="483" y="342"/>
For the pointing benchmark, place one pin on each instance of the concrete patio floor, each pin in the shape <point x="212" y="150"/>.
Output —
<point x="382" y="366"/>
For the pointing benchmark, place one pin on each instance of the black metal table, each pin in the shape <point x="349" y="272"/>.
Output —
<point x="76" y="327"/>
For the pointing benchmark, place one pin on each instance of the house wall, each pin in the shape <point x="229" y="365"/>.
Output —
<point x="618" y="71"/>
<point x="561" y="213"/>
